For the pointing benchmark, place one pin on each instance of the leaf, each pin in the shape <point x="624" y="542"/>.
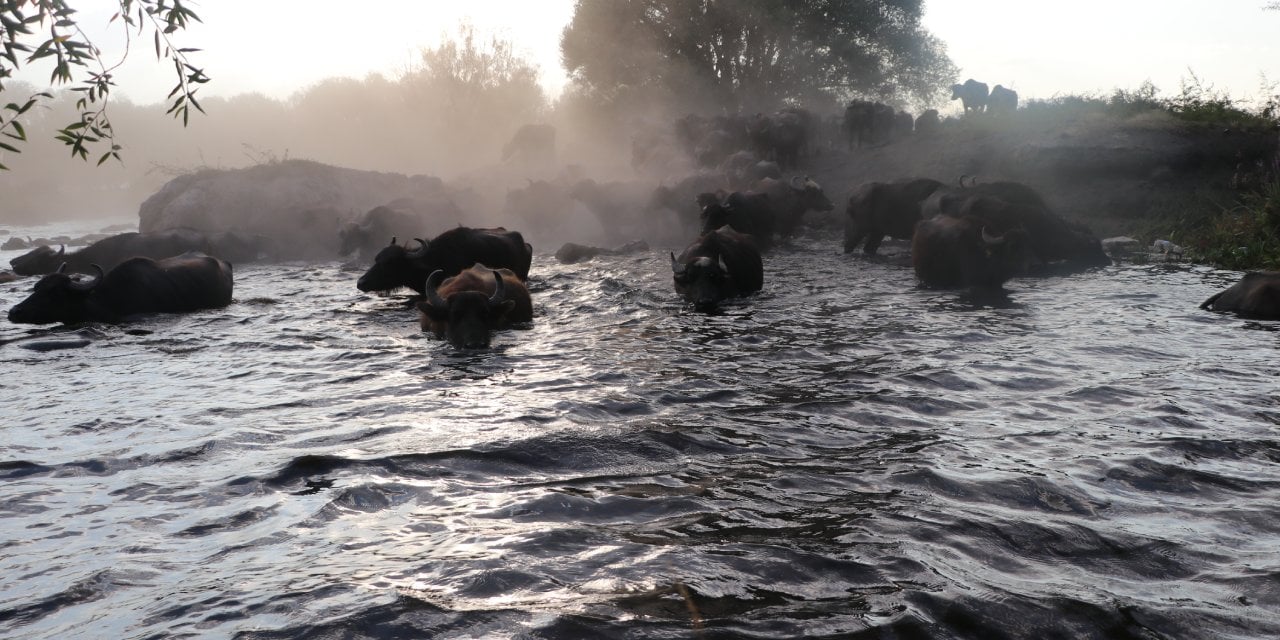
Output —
<point x="8" y="147"/>
<point x="157" y="41"/>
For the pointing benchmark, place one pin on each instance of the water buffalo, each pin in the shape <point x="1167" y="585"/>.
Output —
<point x="176" y="284"/>
<point x="950" y="251"/>
<point x="111" y="251"/>
<point x="405" y="218"/>
<point x="531" y="143"/>
<point x="792" y="199"/>
<point x="465" y="308"/>
<point x="718" y="265"/>
<point x="879" y="209"/>
<point x="750" y="213"/>
<point x="856" y="124"/>
<point x="972" y="94"/>
<point x="1056" y="246"/>
<point x="1002" y="101"/>
<point x="681" y="198"/>
<point x="783" y="136"/>
<point x="928" y="124"/>
<point x="618" y="205"/>
<point x="572" y="253"/>
<point x="452" y="251"/>
<point x="1256" y="295"/>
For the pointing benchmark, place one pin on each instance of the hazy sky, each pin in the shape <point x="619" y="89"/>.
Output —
<point x="1038" y="48"/>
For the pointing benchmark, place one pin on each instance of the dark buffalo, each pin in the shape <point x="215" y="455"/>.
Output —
<point x="452" y="251"/>
<point x="972" y="94"/>
<point x="782" y="137"/>
<point x="1256" y="295"/>
<point x="718" y="265"/>
<point x="237" y="247"/>
<point x="903" y="125"/>
<point x="188" y="282"/>
<point x="531" y="143"/>
<point x="750" y="213"/>
<point x="113" y="250"/>
<point x="619" y="206"/>
<point x="404" y="218"/>
<point x="928" y="124"/>
<point x="791" y="200"/>
<point x="1002" y="101"/>
<point x="467" y="307"/>
<point x="572" y="253"/>
<point x="879" y="209"/>
<point x="1056" y="245"/>
<point x="856" y="125"/>
<point x="682" y="198"/>
<point x="949" y="252"/>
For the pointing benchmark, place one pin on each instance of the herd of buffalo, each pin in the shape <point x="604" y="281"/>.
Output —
<point x="471" y="281"/>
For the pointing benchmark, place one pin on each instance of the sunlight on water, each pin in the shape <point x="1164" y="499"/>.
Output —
<point x="1087" y="456"/>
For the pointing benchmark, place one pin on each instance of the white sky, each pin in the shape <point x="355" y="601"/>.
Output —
<point x="1038" y="48"/>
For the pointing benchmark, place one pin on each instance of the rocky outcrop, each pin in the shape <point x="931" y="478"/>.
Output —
<point x="298" y="204"/>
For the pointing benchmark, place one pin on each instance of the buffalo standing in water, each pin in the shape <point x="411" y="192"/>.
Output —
<point x="952" y="252"/>
<point x="188" y="282"/>
<point x="451" y="252"/>
<point x="720" y="264"/>
<point x="879" y="209"/>
<point x="1257" y="295"/>
<point x="466" y="308"/>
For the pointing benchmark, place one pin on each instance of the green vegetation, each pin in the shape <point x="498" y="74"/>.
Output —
<point x="78" y="62"/>
<point x="1226" y="210"/>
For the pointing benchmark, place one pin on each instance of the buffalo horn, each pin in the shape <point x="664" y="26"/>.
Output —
<point x="499" y="289"/>
<point x="393" y="241"/>
<point x="990" y="239"/>
<point x="90" y="284"/>
<point x="433" y="281"/>
<point x="422" y="242"/>
<point x="61" y="268"/>
<point x="62" y="250"/>
<point x="676" y="266"/>
<point x="795" y="179"/>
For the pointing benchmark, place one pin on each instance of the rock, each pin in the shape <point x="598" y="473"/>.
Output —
<point x="14" y="243"/>
<point x="1120" y="245"/>
<point x="298" y="204"/>
<point x="7" y="277"/>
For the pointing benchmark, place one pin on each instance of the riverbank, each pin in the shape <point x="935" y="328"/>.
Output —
<point x="1150" y="174"/>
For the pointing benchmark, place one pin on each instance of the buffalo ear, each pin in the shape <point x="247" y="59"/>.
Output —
<point x="505" y="307"/>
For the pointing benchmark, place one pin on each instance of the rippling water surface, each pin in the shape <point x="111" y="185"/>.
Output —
<point x="842" y="455"/>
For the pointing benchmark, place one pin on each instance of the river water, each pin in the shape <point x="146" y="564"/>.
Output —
<point x="842" y="455"/>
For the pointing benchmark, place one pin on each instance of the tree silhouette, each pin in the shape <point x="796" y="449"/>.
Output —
<point x="753" y="54"/>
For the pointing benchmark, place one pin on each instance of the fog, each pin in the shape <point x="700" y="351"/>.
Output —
<point x="450" y="117"/>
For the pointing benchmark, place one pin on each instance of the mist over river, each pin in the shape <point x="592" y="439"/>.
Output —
<point x="842" y="455"/>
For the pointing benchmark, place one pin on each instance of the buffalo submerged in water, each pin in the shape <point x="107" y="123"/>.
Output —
<point x="188" y="282"/>
<point x="113" y="250"/>
<point x="468" y="307"/>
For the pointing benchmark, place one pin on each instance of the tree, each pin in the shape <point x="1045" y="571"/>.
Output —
<point x="753" y="54"/>
<point x="77" y="61"/>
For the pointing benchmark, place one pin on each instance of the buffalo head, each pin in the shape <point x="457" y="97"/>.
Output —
<point x="390" y="266"/>
<point x="56" y="298"/>
<point x="703" y="281"/>
<point x="465" y="315"/>
<point x="40" y="260"/>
